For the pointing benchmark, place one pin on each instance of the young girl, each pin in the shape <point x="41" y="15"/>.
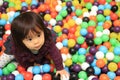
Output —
<point x="30" y="42"/>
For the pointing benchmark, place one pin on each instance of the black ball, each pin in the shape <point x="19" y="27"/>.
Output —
<point x="111" y="29"/>
<point x="69" y="10"/>
<point x="54" y="77"/>
<point x="114" y="8"/>
<point x="86" y="19"/>
<point x="89" y="42"/>
<point x="90" y="71"/>
<point x="73" y="76"/>
<point x="71" y="68"/>
<point x="42" y="14"/>
<point x="72" y="51"/>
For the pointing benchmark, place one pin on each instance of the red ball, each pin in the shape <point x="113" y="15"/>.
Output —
<point x="102" y="1"/>
<point x="1" y="43"/>
<point x="52" y="68"/>
<point x="113" y="16"/>
<point x="20" y="68"/>
<point x="7" y="26"/>
<point x="28" y="76"/>
<point x="46" y="77"/>
<point x="118" y="64"/>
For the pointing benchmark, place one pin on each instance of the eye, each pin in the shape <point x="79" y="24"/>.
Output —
<point x="38" y="35"/>
<point x="30" y="39"/>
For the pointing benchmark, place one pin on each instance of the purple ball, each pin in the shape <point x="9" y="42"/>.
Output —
<point x="77" y="46"/>
<point x="47" y="11"/>
<point x="96" y="3"/>
<point x="46" y="23"/>
<point x="90" y="35"/>
<point x="60" y="23"/>
<point x="92" y="50"/>
<point x="11" y="77"/>
<point x="4" y="78"/>
<point x="89" y="58"/>
<point x="69" y="4"/>
<point x="116" y="29"/>
<point x="100" y="12"/>
<point x="76" y="68"/>
<point x="118" y="72"/>
<point x="104" y="69"/>
<point x="5" y="4"/>
<point x="65" y="31"/>
<point x="24" y="8"/>
<point x="95" y="79"/>
<point x="33" y="7"/>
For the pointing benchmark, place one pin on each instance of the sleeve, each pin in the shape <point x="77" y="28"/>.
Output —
<point x="4" y="59"/>
<point x="56" y="56"/>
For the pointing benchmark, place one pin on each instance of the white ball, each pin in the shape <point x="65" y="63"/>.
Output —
<point x="78" y="21"/>
<point x="93" y="13"/>
<point x="94" y="8"/>
<point x="58" y="8"/>
<point x="29" y="69"/>
<point x="99" y="55"/>
<point x="106" y="31"/>
<point x="80" y="79"/>
<point x="15" y="72"/>
<point x="117" y="0"/>
<point x="8" y="32"/>
<point x="52" y="22"/>
<point x="98" y="34"/>
<point x="1" y="2"/>
<point x="110" y="56"/>
<point x="59" y="2"/>
<point x="10" y="14"/>
<point x="91" y="77"/>
<point x="86" y="14"/>
<point x="59" y="45"/>
<point x="69" y="55"/>
<point x="85" y="65"/>
<point x="15" y="63"/>
<point x="64" y="57"/>
<point x="37" y="77"/>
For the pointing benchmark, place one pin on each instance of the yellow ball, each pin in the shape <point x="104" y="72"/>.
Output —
<point x="71" y="22"/>
<point x="28" y="1"/>
<point x="113" y="35"/>
<point x="107" y="12"/>
<point x="71" y="43"/>
<point x="47" y="17"/>
<point x="75" y="3"/>
<point x="18" y="7"/>
<point x="63" y="4"/>
<point x="66" y="26"/>
<point x="112" y="66"/>
<point x="4" y="16"/>
<point x="57" y="29"/>
<point x="84" y="10"/>
<point x="68" y="62"/>
<point x="111" y="49"/>
<point x="77" y="33"/>
<point x="118" y="37"/>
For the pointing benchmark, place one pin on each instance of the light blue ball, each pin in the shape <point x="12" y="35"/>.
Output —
<point x="36" y="70"/>
<point x="101" y="7"/>
<point x="19" y="77"/>
<point x="24" y="4"/>
<point x="3" y="22"/>
<point x="16" y="14"/>
<point x="46" y="68"/>
<point x="82" y="51"/>
<point x="34" y="2"/>
<point x="1" y="72"/>
<point x="74" y="17"/>
<point x="100" y="23"/>
<point x="116" y="50"/>
<point x="97" y="70"/>
<point x="111" y="75"/>
<point x="103" y="49"/>
<point x="65" y="42"/>
<point x="11" y="19"/>
<point x="83" y="32"/>
<point x="107" y="17"/>
<point x="107" y="6"/>
<point x="93" y="63"/>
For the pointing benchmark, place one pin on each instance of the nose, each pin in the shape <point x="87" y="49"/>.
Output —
<point x="35" y="41"/>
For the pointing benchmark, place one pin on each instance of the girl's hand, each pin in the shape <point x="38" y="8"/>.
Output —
<point x="64" y="75"/>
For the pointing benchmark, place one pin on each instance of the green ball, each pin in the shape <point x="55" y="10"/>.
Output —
<point x="84" y="24"/>
<point x="88" y="5"/>
<point x="92" y="23"/>
<point x="59" y="34"/>
<point x="80" y="40"/>
<point x="5" y="71"/>
<point x="97" y="40"/>
<point x="11" y="67"/>
<point x="59" y="17"/>
<point x="99" y="28"/>
<point x="105" y="37"/>
<point x="100" y="18"/>
<point x="81" y="58"/>
<point x="108" y="1"/>
<point x="11" y="4"/>
<point x="116" y="59"/>
<point x="78" y="12"/>
<point x="113" y="41"/>
<point x="82" y="75"/>
<point x="75" y="58"/>
<point x="64" y="13"/>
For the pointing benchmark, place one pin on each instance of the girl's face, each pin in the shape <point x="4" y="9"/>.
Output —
<point x="33" y="40"/>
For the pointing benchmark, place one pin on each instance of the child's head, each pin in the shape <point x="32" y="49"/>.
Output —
<point x="27" y="29"/>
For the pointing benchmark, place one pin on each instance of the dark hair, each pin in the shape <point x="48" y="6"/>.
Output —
<point x="25" y="22"/>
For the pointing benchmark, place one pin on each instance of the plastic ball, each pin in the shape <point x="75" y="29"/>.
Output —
<point x="11" y="67"/>
<point x="46" y="68"/>
<point x="19" y="77"/>
<point x="1" y="72"/>
<point x="117" y="50"/>
<point x="106" y="31"/>
<point x="64" y="57"/>
<point x="92" y="50"/>
<point x="57" y="29"/>
<point x="59" y="45"/>
<point x="112" y="66"/>
<point x="4" y="78"/>
<point x="80" y="40"/>
<point x="15" y="72"/>
<point x="99" y="55"/>
<point x="90" y="42"/>
<point x="85" y="65"/>
<point x="97" y="70"/>
<point x="72" y="51"/>
<point x="100" y="63"/>
<point x="104" y="77"/>
<point x="52" y="22"/>
<point x="37" y="77"/>
<point x="68" y="62"/>
<point x="76" y="68"/>
<point x="47" y="17"/>
<point x="105" y="37"/>
<point x="11" y="77"/>
<point x="104" y="69"/>
<point x="103" y="49"/>
<point x="81" y="58"/>
<point x="5" y="71"/>
<point x="58" y="8"/>
<point x="73" y="76"/>
<point x="99" y="34"/>
<point x="118" y="72"/>
<point x="97" y="40"/>
<point x="36" y="70"/>
<point x="111" y="75"/>
<point x="90" y="71"/>
<point x="46" y="77"/>
<point x="28" y="76"/>
<point x="82" y="75"/>
<point x="71" y="43"/>
<point x="82" y="51"/>
<point x="89" y="58"/>
<point x="109" y="56"/>
<point x="29" y="69"/>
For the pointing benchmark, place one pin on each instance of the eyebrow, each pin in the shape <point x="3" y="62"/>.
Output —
<point x="35" y="33"/>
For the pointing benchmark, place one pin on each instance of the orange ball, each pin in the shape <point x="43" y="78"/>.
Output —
<point x="112" y="3"/>
<point x="63" y="36"/>
<point x="116" y="23"/>
<point x="64" y="50"/>
<point x="106" y="25"/>
<point x="107" y="44"/>
<point x="117" y="78"/>
<point x="71" y="36"/>
<point x="113" y="16"/>
<point x="28" y="76"/>
<point x="102" y="1"/>
<point x="42" y="8"/>
<point x="91" y="29"/>
<point x="118" y="64"/>
<point x="72" y="30"/>
<point x="100" y="63"/>
<point x="35" y="10"/>
<point x="46" y="77"/>
<point x="93" y="18"/>
<point x="84" y="45"/>
<point x="53" y="14"/>
<point x="104" y="77"/>
<point x="58" y="39"/>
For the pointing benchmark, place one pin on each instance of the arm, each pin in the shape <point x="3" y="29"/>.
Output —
<point x="4" y="59"/>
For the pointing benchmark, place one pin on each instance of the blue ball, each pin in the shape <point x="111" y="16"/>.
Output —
<point x="16" y="14"/>
<point x="24" y="4"/>
<point x="93" y="63"/>
<point x="19" y="77"/>
<point x="82" y="51"/>
<point x="83" y="32"/>
<point x="97" y="70"/>
<point x="101" y="7"/>
<point x="46" y="68"/>
<point x="36" y="70"/>
<point x="103" y="49"/>
<point x="111" y="75"/>
<point x="107" y="6"/>
<point x="3" y="22"/>
<point x="34" y="2"/>
<point x="117" y="50"/>
<point x="65" y="42"/>
<point x="1" y="72"/>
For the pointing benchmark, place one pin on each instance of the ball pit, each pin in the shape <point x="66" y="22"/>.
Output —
<point x="88" y="37"/>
